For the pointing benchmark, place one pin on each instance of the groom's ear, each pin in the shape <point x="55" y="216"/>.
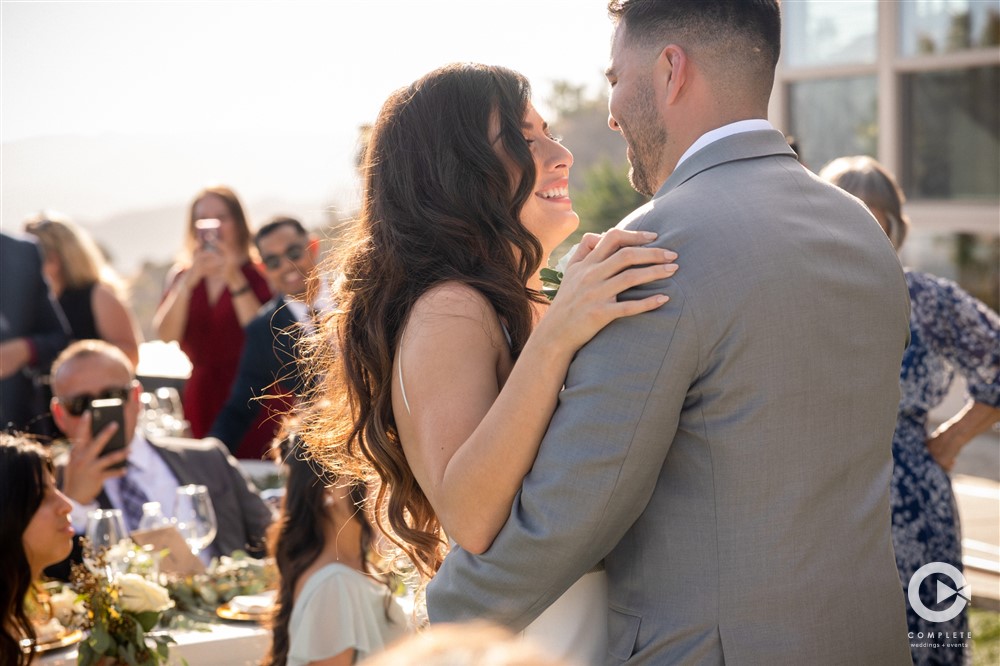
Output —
<point x="670" y="72"/>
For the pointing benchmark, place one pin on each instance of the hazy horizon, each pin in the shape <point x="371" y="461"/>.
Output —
<point x="111" y="107"/>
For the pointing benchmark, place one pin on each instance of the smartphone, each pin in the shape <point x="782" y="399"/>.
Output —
<point x="207" y="231"/>
<point x="103" y="412"/>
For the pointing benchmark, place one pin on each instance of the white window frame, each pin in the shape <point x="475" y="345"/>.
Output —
<point x="889" y="66"/>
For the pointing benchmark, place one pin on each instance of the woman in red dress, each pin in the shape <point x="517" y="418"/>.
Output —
<point x="215" y="290"/>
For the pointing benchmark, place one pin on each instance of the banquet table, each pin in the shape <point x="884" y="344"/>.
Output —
<point x="227" y="644"/>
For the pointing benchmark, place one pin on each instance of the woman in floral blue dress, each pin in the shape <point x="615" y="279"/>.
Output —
<point x="950" y="331"/>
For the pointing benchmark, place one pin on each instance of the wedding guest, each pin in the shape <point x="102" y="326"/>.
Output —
<point x="214" y="291"/>
<point x="268" y="362"/>
<point x="950" y="331"/>
<point x="332" y="607"/>
<point x="35" y="532"/>
<point x="32" y="331"/>
<point x="451" y="357"/>
<point x="91" y="369"/>
<point x="87" y="288"/>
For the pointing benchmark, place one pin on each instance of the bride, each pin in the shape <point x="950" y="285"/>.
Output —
<point x="441" y="370"/>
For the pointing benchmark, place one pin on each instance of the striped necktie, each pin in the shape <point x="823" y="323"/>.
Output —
<point x="133" y="498"/>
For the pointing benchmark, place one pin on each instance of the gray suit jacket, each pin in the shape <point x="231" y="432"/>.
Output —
<point x="729" y="454"/>
<point x="242" y="515"/>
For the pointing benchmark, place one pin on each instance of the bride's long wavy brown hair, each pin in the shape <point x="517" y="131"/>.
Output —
<point x="440" y="204"/>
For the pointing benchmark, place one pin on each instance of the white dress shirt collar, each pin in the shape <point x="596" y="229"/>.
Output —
<point x="712" y="136"/>
<point x="141" y="454"/>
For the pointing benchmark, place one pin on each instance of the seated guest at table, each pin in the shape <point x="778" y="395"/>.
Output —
<point x="91" y="369"/>
<point x="35" y="532"/>
<point x="32" y="332"/>
<point x="268" y="363"/>
<point x="332" y="608"/>
<point x="87" y="288"/>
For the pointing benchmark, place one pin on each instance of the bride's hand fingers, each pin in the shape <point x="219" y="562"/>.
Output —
<point x="584" y="247"/>
<point x="634" y="277"/>
<point x="615" y="239"/>
<point x="629" y="308"/>
<point x="632" y="256"/>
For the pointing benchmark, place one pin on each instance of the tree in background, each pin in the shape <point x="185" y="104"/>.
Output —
<point x="607" y="197"/>
<point x="599" y="185"/>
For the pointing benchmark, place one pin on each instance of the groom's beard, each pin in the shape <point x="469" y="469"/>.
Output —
<point x="647" y="138"/>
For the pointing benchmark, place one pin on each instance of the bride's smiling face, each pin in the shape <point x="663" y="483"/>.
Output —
<point x="548" y="213"/>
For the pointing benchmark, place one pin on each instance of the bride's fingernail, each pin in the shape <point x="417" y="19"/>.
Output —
<point x="649" y="234"/>
<point x="669" y="268"/>
<point x="662" y="299"/>
<point x="670" y="255"/>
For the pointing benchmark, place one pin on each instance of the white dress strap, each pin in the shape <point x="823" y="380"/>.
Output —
<point x="402" y="387"/>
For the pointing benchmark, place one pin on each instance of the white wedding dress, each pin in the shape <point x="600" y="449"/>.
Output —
<point x="575" y="626"/>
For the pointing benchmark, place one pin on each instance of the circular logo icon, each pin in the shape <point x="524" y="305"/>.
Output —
<point x="959" y="590"/>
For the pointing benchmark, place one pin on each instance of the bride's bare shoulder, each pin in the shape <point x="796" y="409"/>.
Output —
<point x="454" y="304"/>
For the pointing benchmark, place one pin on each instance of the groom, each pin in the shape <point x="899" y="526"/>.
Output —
<point x="728" y="454"/>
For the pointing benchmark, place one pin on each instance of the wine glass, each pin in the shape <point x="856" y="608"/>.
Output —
<point x="106" y="529"/>
<point x="195" y="516"/>
<point x="172" y="410"/>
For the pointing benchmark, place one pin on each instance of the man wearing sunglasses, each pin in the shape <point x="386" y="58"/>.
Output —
<point x="268" y="362"/>
<point x="90" y="370"/>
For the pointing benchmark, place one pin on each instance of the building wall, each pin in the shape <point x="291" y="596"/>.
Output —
<point x="916" y="85"/>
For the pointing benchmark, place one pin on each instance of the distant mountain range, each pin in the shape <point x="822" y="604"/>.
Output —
<point x="132" y="192"/>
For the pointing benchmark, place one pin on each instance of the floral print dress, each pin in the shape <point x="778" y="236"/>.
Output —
<point x="949" y="331"/>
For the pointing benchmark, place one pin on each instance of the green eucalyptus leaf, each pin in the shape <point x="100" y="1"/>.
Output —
<point x="147" y="620"/>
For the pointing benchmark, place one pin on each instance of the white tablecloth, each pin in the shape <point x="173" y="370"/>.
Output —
<point x="225" y="645"/>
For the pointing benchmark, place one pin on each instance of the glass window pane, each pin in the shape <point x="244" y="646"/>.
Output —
<point x="971" y="260"/>
<point x="942" y="26"/>
<point x="829" y="32"/>
<point x="951" y="134"/>
<point x="832" y="118"/>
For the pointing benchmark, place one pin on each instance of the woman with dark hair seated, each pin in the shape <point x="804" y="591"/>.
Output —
<point x="332" y="608"/>
<point x="35" y="532"/>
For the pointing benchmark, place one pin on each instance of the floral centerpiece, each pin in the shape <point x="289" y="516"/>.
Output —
<point x="120" y="613"/>
<point x="198" y="596"/>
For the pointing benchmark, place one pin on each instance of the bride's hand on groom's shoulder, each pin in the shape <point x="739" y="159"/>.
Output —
<point x="602" y="267"/>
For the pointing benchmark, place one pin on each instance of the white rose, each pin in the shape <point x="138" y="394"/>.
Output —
<point x="65" y="605"/>
<point x="564" y="262"/>
<point x="138" y="595"/>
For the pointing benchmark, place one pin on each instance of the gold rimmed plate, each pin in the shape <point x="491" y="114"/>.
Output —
<point x="67" y="639"/>
<point x="227" y="612"/>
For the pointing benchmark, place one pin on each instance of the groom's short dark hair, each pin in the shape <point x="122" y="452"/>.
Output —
<point x="746" y="34"/>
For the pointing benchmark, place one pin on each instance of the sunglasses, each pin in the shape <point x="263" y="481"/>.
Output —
<point x="293" y="253"/>
<point x="78" y="404"/>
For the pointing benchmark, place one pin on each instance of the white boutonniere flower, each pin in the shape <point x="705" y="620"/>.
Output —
<point x="552" y="277"/>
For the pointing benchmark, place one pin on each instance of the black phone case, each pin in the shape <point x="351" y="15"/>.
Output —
<point x="103" y="412"/>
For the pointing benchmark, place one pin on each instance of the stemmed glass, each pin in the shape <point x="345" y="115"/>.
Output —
<point x="106" y="529"/>
<point x="195" y="516"/>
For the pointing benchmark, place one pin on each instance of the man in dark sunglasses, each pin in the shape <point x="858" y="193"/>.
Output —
<point x="90" y="370"/>
<point x="268" y="362"/>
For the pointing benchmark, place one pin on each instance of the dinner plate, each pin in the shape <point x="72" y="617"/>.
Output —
<point x="67" y="639"/>
<point x="227" y="612"/>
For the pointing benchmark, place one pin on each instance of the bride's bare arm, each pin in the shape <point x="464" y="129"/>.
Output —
<point x="469" y="442"/>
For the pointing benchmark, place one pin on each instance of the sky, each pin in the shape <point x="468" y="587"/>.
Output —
<point x="180" y="67"/>
<point x="112" y="107"/>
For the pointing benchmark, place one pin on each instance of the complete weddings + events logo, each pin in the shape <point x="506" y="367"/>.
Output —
<point x="958" y="590"/>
